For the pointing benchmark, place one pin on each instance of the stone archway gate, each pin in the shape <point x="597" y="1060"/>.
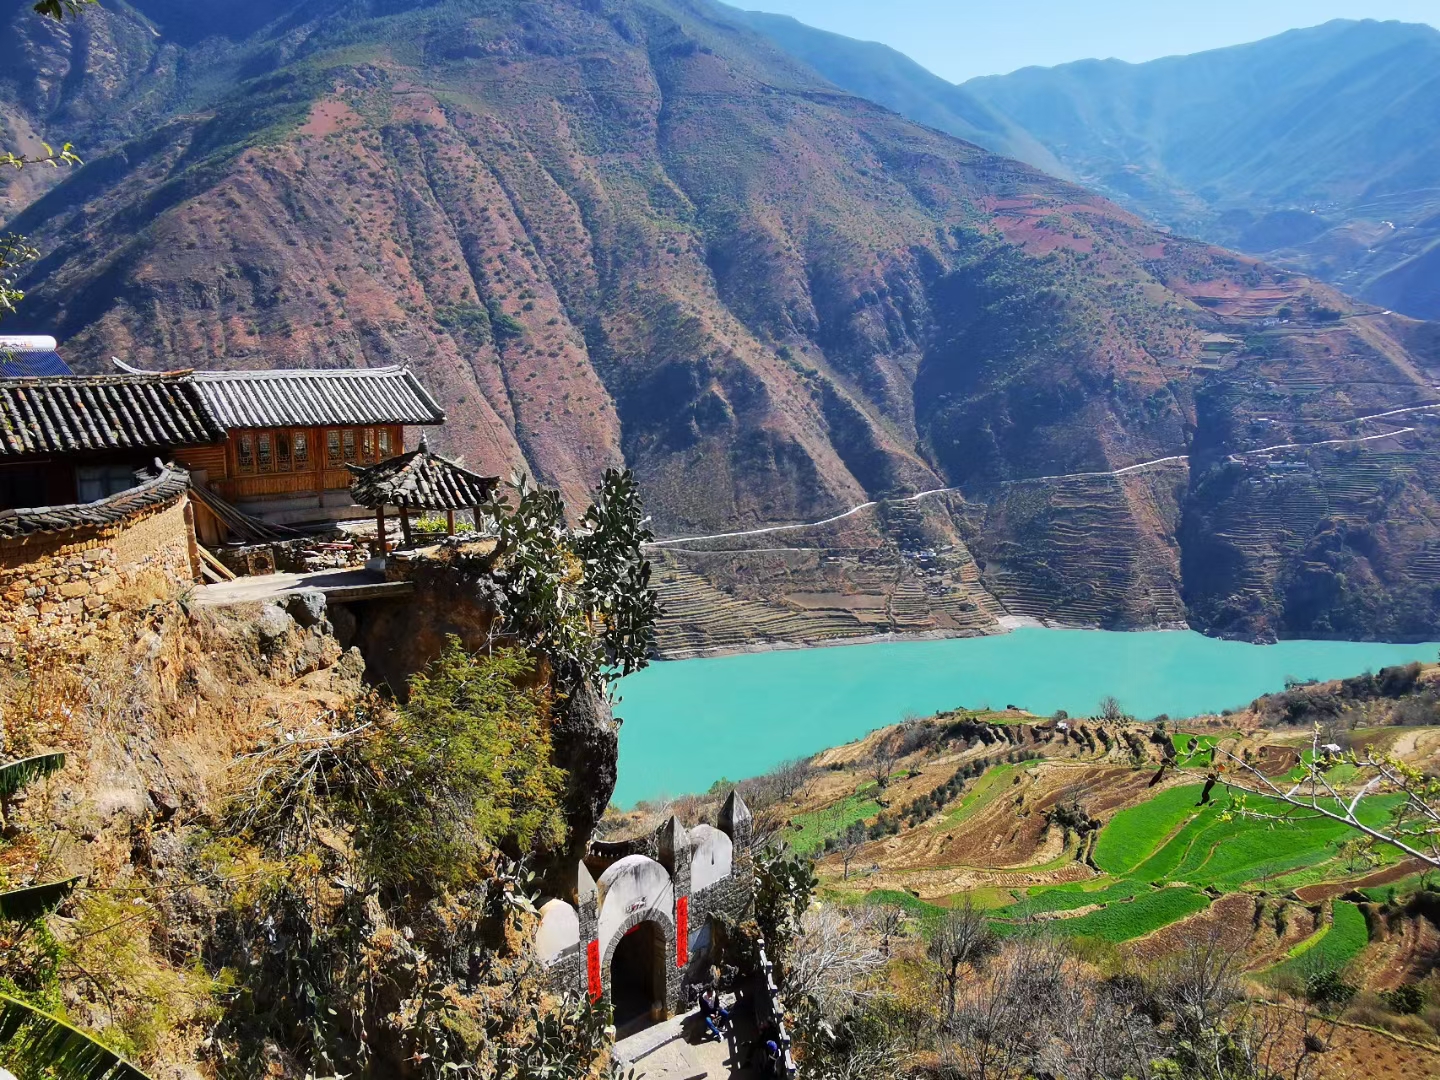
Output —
<point x="676" y="878"/>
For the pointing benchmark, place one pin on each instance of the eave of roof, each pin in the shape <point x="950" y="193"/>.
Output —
<point x="420" y="480"/>
<point x="78" y="414"/>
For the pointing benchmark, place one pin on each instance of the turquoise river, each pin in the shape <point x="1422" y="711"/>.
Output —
<point x="689" y="723"/>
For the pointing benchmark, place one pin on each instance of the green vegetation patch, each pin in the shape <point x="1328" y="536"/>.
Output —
<point x="811" y="830"/>
<point x="1216" y="847"/>
<point x="1062" y="899"/>
<point x="1185" y="743"/>
<point x="1133" y="834"/>
<point x="992" y="783"/>
<point x="1339" y="868"/>
<point x="1231" y="854"/>
<point x="1331" y="949"/>
<point x="1127" y="919"/>
<point x="1398" y="890"/>
<point x="925" y="913"/>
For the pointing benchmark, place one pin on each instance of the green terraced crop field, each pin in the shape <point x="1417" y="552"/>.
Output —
<point x="1186" y="745"/>
<point x="812" y="830"/>
<point x="1332" y="948"/>
<point x="1067" y="898"/>
<point x="1160" y="855"/>
<point x="1133" y="834"/>
<point x="1126" y="919"/>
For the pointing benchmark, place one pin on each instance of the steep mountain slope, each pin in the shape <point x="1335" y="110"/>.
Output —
<point x="891" y="78"/>
<point x="1321" y="145"/>
<point x="633" y="230"/>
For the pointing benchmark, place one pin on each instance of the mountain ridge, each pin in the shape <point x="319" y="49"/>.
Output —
<point x="1334" y="124"/>
<point x="1313" y="148"/>
<point x="633" y="231"/>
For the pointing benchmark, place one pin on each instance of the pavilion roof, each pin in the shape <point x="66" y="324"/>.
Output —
<point x="419" y="480"/>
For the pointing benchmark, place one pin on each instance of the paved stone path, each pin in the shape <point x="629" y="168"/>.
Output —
<point x="682" y="1049"/>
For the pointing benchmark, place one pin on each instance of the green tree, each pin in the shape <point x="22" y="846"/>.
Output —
<point x="581" y="597"/>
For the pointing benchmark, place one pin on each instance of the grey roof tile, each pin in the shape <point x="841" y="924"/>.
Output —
<point x="420" y="480"/>
<point x="77" y="413"/>
<point x="386" y="395"/>
<point x="165" y="484"/>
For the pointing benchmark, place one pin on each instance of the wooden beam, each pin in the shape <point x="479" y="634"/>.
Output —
<point x="405" y="527"/>
<point x="380" y="545"/>
<point x="215" y="565"/>
<point x="449" y="522"/>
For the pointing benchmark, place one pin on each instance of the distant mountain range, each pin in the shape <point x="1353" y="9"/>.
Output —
<point x="639" y="231"/>
<point x="1318" y="148"/>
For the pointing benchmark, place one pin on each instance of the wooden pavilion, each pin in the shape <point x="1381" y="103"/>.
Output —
<point x="419" y="480"/>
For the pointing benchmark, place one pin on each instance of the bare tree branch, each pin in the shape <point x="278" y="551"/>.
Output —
<point x="1416" y="821"/>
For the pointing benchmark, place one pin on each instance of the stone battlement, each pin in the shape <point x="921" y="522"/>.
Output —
<point x="667" y="891"/>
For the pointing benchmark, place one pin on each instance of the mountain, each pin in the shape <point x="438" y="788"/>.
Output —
<point x="638" y="231"/>
<point x="1318" y="147"/>
<point x="892" y="79"/>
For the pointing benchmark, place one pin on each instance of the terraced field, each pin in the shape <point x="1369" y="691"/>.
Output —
<point x="1331" y="947"/>
<point x="1036" y="544"/>
<point x="1162" y="869"/>
<point x="892" y="569"/>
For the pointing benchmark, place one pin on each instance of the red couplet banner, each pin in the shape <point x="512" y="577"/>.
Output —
<point x="682" y="931"/>
<point x="592" y="968"/>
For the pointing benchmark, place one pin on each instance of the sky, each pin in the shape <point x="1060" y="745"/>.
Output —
<point x="959" y="39"/>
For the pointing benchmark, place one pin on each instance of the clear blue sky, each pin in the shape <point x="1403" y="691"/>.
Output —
<point x="958" y="39"/>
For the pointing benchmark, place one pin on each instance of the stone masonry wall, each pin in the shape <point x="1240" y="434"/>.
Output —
<point x="60" y="585"/>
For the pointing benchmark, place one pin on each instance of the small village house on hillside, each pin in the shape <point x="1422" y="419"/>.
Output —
<point x="77" y="439"/>
<point x="273" y="443"/>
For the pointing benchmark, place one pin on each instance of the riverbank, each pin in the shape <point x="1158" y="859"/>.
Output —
<point x="1006" y="624"/>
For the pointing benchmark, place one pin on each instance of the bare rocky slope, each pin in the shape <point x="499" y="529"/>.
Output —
<point x="610" y="230"/>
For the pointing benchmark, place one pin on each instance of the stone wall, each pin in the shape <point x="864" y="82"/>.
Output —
<point x="61" y="585"/>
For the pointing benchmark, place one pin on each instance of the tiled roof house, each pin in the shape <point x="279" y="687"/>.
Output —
<point x="274" y="443"/>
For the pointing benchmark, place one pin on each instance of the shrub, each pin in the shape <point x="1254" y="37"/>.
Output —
<point x="1392" y="682"/>
<point x="467" y="768"/>
<point x="1328" y="989"/>
<point x="1407" y="1000"/>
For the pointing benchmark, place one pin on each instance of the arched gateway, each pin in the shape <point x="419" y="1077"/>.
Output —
<point x="639" y="919"/>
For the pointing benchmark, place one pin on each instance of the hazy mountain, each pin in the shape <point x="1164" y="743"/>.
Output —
<point x="1321" y="146"/>
<point x="891" y="78"/>
<point x="635" y="230"/>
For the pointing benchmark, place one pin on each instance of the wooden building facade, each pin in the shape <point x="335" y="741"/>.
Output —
<point x="290" y="433"/>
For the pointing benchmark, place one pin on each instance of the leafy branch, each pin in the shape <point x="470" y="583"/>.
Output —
<point x="29" y="1034"/>
<point x="58" y="9"/>
<point x="64" y="1051"/>
<point x="54" y="158"/>
<point x="14" y="253"/>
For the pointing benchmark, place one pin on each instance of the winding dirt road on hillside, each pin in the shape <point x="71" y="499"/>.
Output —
<point x="1168" y="459"/>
